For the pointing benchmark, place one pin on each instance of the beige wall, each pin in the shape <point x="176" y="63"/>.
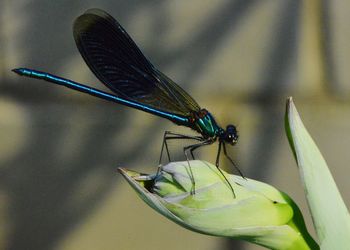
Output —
<point x="59" y="150"/>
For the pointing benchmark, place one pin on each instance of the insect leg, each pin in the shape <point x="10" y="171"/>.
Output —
<point x="218" y="155"/>
<point x="232" y="162"/>
<point x="194" y="147"/>
<point x="191" y="148"/>
<point x="168" y="135"/>
<point x="217" y="166"/>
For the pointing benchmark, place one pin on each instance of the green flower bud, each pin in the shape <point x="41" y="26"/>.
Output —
<point x="256" y="212"/>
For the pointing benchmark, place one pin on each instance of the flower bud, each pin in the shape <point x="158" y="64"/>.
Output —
<point x="256" y="212"/>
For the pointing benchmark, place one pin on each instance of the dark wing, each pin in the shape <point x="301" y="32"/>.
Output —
<point x="118" y="63"/>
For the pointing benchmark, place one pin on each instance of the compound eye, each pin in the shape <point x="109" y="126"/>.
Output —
<point x="231" y="133"/>
<point x="231" y="129"/>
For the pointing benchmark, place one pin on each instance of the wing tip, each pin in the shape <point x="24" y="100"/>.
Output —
<point x="89" y="18"/>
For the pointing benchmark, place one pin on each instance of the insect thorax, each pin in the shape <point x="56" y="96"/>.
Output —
<point x="204" y="123"/>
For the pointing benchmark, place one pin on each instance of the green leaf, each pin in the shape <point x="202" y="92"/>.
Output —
<point x="330" y="215"/>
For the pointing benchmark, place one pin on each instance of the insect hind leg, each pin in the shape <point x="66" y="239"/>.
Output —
<point x="191" y="148"/>
<point x="168" y="135"/>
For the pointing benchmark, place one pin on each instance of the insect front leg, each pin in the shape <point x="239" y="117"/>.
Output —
<point x="218" y="168"/>
<point x="232" y="162"/>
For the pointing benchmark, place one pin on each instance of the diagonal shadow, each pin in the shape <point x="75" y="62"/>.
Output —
<point x="39" y="189"/>
<point x="273" y="88"/>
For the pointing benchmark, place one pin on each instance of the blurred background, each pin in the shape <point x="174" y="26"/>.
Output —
<point x="59" y="149"/>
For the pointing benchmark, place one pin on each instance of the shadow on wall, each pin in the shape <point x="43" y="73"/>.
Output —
<point x="44" y="197"/>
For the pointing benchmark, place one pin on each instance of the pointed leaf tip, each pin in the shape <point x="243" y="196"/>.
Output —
<point x="321" y="191"/>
